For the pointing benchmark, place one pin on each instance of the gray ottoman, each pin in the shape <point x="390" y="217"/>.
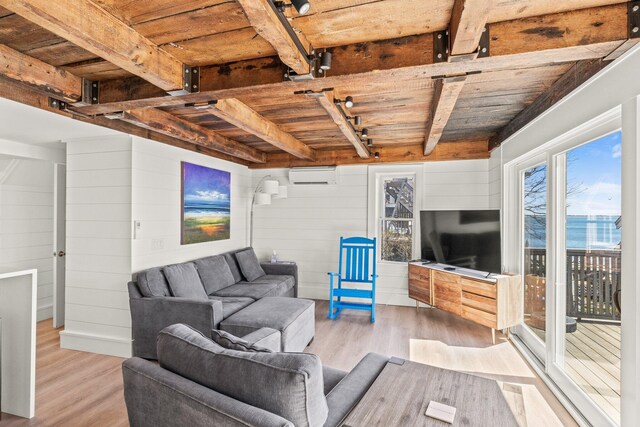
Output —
<point x="293" y="317"/>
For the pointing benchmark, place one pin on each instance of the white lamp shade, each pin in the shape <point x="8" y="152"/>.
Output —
<point x="282" y="193"/>
<point x="270" y="186"/>
<point x="263" y="199"/>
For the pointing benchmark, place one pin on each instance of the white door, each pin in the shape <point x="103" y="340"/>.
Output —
<point x="59" y="237"/>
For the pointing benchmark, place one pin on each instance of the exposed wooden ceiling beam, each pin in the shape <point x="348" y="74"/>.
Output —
<point x="244" y="117"/>
<point x="266" y="22"/>
<point x="459" y="150"/>
<point x="90" y="27"/>
<point x="578" y="74"/>
<point x="468" y="19"/>
<point x="26" y="95"/>
<point x="170" y="125"/>
<point x="445" y="97"/>
<point x="41" y="76"/>
<point x="521" y="43"/>
<point x="327" y="101"/>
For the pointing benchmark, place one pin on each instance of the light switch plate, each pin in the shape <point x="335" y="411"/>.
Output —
<point x="441" y="412"/>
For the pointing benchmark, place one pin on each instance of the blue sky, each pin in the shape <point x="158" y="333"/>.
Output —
<point x="205" y="185"/>
<point x="595" y="169"/>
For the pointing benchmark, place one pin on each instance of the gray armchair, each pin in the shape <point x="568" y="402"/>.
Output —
<point x="197" y="382"/>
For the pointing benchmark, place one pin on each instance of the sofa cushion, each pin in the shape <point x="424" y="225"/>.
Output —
<point x="293" y="317"/>
<point x="233" y="266"/>
<point x="231" y="305"/>
<point x="184" y="281"/>
<point x="249" y="265"/>
<point x="214" y="273"/>
<point x="152" y="283"/>
<point x="232" y="342"/>
<point x="285" y="283"/>
<point x="286" y="384"/>
<point x="250" y="290"/>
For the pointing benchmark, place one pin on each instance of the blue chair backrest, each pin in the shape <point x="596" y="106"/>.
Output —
<point x="357" y="259"/>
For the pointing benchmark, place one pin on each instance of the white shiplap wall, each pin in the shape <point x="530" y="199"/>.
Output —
<point x="98" y="258"/>
<point x="306" y="226"/>
<point x="112" y="181"/>
<point x="26" y="223"/>
<point x="157" y="203"/>
<point x="495" y="179"/>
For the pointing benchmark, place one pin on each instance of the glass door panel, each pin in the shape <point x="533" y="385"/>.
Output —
<point x="534" y="204"/>
<point x="589" y="329"/>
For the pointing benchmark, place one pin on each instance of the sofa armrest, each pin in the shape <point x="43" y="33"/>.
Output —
<point x="157" y="397"/>
<point x="283" y="270"/>
<point x="265" y="337"/>
<point x="346" y="395"/>
<point x="150" y="315"/>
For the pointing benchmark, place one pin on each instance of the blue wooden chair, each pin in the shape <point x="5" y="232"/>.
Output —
<point x="357" y="265"/>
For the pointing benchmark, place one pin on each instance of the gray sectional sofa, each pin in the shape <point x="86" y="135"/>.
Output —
<point x="200" y="382"/>
<point x="212" y="293"/>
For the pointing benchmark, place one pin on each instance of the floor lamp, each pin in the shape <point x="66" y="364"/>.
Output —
<point x="267" y="189"/>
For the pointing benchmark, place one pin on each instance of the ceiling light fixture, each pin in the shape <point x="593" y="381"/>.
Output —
<point x="376" y="155"/>
<point x="325" y="60"/>
<point x="369" y="142"/>
<point x="348" y="101"/>
<point x="302" y="6"/>
<point x="364" y="133"/>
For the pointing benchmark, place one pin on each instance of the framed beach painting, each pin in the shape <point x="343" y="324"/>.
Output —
<point x="206" y="204"/>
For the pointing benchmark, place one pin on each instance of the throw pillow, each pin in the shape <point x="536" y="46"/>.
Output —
<point x="249" y="265"/>
<point x="231" y="342"/>
<point x="215" y="273"/>
<point x="184" y="281"/>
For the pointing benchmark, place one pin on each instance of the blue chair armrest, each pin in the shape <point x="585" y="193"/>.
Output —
<point x="334" y="274"/>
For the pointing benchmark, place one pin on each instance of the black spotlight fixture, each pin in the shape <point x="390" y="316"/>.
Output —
<point x="302" y="6"/>
<point x="325" y="60"/>
<point x="364" y="132"/>
<point x="369" y="142"/>
<point x="348" y="102"/>
<point x="376" y="155"/>
<point x="357" y="120"/>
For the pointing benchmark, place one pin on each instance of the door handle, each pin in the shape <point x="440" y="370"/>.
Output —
<point x="61" y="254"/>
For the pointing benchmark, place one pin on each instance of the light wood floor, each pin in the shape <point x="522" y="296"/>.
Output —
<point x="592" y="360"/>
<point x="83" y="389"/>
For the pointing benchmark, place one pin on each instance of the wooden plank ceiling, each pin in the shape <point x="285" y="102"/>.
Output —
<point x="413" y="105"/>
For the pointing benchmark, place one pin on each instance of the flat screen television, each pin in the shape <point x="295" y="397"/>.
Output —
<point x="469" y="239"/>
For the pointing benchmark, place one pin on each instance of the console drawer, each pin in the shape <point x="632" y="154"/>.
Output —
<point x="479" y="302"/>
<point x="479" y="316"/>
<point x="478" y="287"/>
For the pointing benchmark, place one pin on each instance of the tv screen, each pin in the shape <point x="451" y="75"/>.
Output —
<point x="469" y="239"/>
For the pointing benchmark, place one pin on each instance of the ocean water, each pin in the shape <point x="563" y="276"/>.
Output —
<point x="583" y="232"/>
<point x="221" y="208"/>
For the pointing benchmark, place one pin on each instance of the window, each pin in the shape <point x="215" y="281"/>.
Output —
<point x="397" y="222"/>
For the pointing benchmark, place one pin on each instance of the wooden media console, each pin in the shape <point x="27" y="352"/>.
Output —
<point x="494" y="301"/>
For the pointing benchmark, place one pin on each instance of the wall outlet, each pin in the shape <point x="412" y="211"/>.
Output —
<point x="157" y="244"/>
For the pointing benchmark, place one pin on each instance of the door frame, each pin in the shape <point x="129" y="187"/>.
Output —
<point x="554" y="154"/>
<point x="59" y="244"/>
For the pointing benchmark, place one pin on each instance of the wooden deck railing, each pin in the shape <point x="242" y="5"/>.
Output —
<point x="593" y="276"/>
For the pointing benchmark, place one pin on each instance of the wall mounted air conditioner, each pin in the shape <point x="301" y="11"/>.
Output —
<point x="321" y="175"/>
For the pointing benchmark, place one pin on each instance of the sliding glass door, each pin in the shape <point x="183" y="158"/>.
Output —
<point x="564" y="221"/>
<point x="533" y="224"/>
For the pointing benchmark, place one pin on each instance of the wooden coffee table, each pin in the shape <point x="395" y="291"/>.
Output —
<point x="401" y="393"/>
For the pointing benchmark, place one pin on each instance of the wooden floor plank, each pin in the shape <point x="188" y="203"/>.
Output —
<point x="84" y="389"/>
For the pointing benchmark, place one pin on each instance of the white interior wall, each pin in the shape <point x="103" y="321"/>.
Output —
<point x="112" y="181"/>
<point x="157" y="202"/>
<point x="98" y="261"/>
<point x="26" y="223"/>
<point x="306" y="227"/>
